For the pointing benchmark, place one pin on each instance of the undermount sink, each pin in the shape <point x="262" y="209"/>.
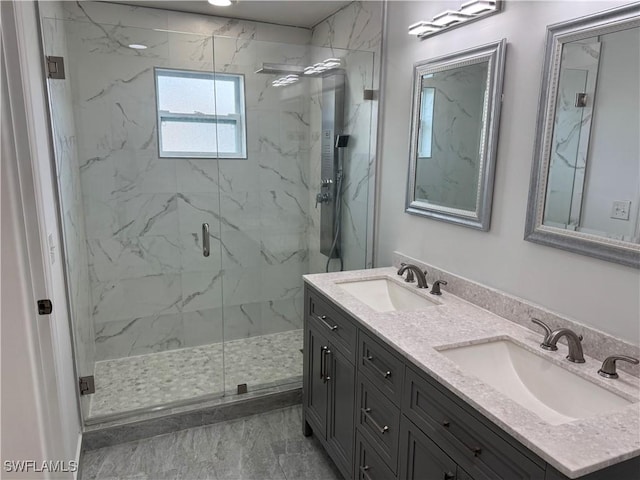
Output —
<point x="554" y="394"/>
<point x="384" y="295"/>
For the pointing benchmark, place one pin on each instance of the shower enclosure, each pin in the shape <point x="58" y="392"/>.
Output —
<point x="188" y="176"/>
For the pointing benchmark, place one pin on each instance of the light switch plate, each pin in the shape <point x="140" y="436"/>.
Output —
<point x="620" y="209"/>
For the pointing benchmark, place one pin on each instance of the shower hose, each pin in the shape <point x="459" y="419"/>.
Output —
<point x="338" y="222"/>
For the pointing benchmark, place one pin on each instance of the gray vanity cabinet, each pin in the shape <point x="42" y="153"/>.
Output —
<point x="329" y="381"/>
<point x="379" y="417"/>
<point x="472" y="444"/>
<point x="421" y="459"/>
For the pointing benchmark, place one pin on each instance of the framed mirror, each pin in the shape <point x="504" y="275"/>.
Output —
<point x="585" y="182"/>
<point x="454" y="135"/>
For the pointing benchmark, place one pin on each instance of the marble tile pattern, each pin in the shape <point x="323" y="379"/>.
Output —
<point x="354" y="33"/>
<point x="597" y="344"/>
<point x="71" y="194"/>
<point x="151" y="289"/>
<point x="155" y="379"/>
<point x="575" y="448"/>
<point x="267" y="445"/>
<point x="571" y="134"/>
<point x="449" y="177"/>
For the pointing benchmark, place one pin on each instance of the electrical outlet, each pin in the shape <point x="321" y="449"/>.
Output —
<point x="620" y="209"/>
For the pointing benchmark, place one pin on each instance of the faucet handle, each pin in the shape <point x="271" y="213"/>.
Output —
<point x="435" y="289"/>
<point x="547" y="333"/>
<point x="608" y="369"/>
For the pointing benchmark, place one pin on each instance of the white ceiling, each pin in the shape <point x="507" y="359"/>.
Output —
<point x="306" y="13"/>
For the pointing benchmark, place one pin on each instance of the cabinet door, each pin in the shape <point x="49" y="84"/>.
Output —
<point x="315" y="379"/>
<point x="341" y="420"/>
<point x="420" y="458"/>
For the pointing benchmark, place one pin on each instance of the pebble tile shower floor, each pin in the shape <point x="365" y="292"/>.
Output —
<point x="155" y="379"/>
<point x="267" y="446"/>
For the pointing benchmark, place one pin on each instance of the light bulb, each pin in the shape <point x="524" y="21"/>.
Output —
<point x="220" y="3"/>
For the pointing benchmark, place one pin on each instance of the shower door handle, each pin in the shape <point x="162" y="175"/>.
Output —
<point x="205" y="239"/>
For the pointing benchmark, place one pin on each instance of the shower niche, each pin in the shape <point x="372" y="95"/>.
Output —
<point x="156" y="322"/>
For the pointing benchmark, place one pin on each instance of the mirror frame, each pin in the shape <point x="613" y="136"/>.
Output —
<point x="618" y="251"/>
<point x="494" y="54"/>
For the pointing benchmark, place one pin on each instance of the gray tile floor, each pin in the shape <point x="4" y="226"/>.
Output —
<point x="260" y="447"/>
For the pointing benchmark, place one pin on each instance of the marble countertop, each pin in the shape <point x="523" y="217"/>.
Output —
<point x="576" y="448"/>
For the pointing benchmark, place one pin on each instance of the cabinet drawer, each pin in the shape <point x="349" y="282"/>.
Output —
<point x="370" y="466"/>
<point x="382" y="367"/>
<point x="472" y="444"/>
<point x="338" y="329"/>
<point x="379" y="421"/>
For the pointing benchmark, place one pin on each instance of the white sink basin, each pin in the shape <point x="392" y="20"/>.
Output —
<point x="554" y="394"/>
<point x="384" y="295"/>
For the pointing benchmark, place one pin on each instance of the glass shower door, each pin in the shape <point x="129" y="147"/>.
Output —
<point x="135" y="189"/>
<point x="270" y="219"/>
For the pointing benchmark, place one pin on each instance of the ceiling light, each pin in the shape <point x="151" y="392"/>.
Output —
<point x="448" y="17"/>
<point x="138" y="46"/>
<point x="476" y="6"/>
<point x="220" y="3"/>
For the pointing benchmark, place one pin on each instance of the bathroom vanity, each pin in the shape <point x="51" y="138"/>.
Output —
<point x="398" y="384"/>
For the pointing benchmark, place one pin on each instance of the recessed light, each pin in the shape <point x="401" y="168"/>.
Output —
<point x="138" y="46"/>
<point x="220" y="3"/>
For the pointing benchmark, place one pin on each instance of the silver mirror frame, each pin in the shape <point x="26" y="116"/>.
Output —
<point x="494" y="54"/>
<point x="617" y="251"/>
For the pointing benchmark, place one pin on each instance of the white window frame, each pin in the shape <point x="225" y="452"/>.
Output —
<point x="238" y="119"/>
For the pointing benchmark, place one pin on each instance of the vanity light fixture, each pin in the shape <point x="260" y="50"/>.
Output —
<point x="468" y="12"/>
<point x="478" y="6"/>
<point x="421" y="28"/>
<point x="449" y="17"/>
<point x="327" y="64"/>
<point x="284" y="81"/>
<point x="220" y="3"/>
<point x="138" y="46"/>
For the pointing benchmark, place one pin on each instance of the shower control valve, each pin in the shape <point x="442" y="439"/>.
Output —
<point x="323" y="197"/>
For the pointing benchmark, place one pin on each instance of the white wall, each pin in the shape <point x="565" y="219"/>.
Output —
<point x="40" y="415"/>
<point x="593" y="292"/>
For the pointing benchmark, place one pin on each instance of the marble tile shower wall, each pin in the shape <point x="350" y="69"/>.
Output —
<point x="68" y="171"/>
<point x="151" y="288"/>
<point x="356" y="28"/>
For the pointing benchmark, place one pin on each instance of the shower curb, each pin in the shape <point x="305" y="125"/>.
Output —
<point x="137" y="430"/>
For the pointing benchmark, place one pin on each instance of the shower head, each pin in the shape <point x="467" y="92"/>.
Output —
<point x="280" y="69"/>
<point x="285" y="69"/>
<point x="341" y="141"/>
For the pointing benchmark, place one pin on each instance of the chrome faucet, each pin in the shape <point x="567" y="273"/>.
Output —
<point x="551" y="339"/>
<point x="608" y="369"/>
<point x="412" y="269"/>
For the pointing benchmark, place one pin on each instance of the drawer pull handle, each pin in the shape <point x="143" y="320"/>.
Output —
<point x="325" y="353"/>
<point x="364" y="471"/>
<point x="475" y="450"/>
<point x="367" y="413"/>
<point x="322" y="349"/>
<point x="449" y="476"/>
<point x="323" y="320"/>
<point x="384" y="374"/>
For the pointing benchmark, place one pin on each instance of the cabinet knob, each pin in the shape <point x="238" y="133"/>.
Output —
<point x="449" y="476"/>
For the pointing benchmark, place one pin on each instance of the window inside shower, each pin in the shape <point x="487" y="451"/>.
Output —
<point x="200" y="114"/>
<point x="156" y="322"/>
